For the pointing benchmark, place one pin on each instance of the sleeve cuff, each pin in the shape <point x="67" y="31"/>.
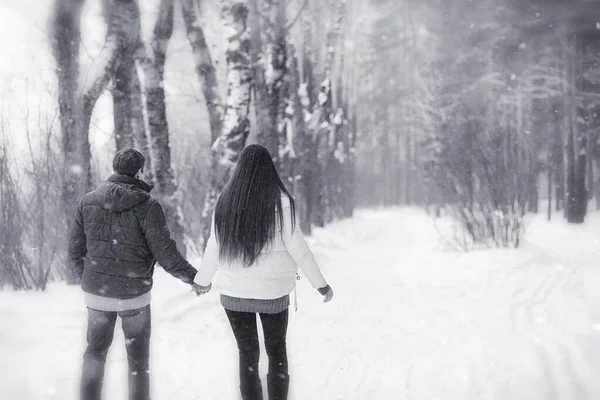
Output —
<point x="324" y="290"/>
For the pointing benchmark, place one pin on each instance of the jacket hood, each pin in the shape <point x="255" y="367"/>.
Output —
<point x="121" y="193"/>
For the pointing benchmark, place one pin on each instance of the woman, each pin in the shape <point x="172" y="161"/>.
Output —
<point x="258" y="246"/>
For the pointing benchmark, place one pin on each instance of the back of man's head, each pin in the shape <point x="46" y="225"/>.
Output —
<point x="128" y="162"/>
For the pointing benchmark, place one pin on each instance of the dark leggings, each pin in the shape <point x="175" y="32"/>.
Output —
<point x="246" y="334"/>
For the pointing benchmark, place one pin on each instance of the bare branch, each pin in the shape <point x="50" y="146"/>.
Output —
<point x="293" y="21"/>
<point x="96" y="81"/>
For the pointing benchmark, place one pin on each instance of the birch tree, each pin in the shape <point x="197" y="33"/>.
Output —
<point x="152" y="62"/>
<point x="329" y="122"/>
<point x="204" y="66"/>
<point x="236" y="125"/>
<point x="268" y="52"/>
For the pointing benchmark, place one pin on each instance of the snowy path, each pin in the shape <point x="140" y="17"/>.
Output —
<point x="409" y="321"/>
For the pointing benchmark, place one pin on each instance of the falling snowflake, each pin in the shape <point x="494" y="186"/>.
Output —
<point x="76" y="169"/>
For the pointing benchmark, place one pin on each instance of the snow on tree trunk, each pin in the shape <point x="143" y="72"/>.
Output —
<point x="204" y="67"/>
<point x="349" y="86"/>
<point x="307" y="92"/>
<point x="287" y="121"/>
<point x="328" y="125"/>
<point x="282" y="95"/>
<point x="153" y="64"/>
<point x="269" y="62"/>
<point x="236" y="125"/>
<point x="297" y="141"/>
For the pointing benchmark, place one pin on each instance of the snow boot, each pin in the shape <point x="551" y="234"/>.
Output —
<point x="251" y="390"/>
<point x="278" y="386"/>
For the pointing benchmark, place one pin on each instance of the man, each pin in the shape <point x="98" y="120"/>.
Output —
<point x="118" y="234"/>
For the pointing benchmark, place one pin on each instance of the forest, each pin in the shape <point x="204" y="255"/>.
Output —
<point x="483" y="111"/>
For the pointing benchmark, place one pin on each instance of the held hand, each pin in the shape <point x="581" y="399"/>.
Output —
<point x="200" y="290"/>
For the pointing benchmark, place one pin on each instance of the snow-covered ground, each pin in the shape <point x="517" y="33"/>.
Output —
<point x="410" y="320"/>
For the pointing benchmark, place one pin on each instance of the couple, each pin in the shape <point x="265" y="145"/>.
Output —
<point x="120" y="231"/>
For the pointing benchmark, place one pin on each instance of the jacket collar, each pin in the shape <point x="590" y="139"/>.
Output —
<point x="130" y="180"/>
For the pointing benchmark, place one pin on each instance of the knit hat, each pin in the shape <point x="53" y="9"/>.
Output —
<point x="128" y="162"/>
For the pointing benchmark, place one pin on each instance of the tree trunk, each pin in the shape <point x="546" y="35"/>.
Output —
<point x="308" y="156"/>
<point x="576" y="149"/>
<point x="312" y="173"/>
<point x="282" y="106"/>
<point x="138" y="122"/>
<point x="597" y="186"/>
<point x="550" y="186"/>
<point x="76" y="102"/>
<point x="299" y="142"/>
<point x="125" y="76"/>
<point x="236" y="125"/>
<point x="558" y="158"/>
<point x="122" y="95"/>
<point x="590" y="185"/>
<point x="269" y="58"/>
<point x="153" y="65"/>
<point x="290" y="122"/>
<point x="327" y="125"/>
<point x="65" y="45"/>
<point x="204" y="67"/>
<point x="350" y="192"/>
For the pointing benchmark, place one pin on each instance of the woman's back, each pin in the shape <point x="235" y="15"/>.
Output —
<point x="273" y="273"/>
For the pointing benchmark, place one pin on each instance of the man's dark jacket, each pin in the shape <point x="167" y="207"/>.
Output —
<point x="118" y="234"/>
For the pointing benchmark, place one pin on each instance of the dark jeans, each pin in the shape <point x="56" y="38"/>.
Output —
<point x="246" y="334"/>
<point x="101" y="326"/>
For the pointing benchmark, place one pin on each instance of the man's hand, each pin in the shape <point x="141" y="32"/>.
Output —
<point x="200" y="290"/>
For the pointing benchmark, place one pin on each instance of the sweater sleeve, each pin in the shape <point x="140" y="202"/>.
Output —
<point x="210" y="261"/>
<point x="298" y="249"/>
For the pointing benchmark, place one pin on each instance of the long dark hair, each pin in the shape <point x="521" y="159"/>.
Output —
<point x="249" y="208"/>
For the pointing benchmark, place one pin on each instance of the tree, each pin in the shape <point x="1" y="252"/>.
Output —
<point x="236" y="125"/>
<point x="204" y="67"/>
<point x="126" y="92"/>
<point x="152" y="63"/>
<point x="76" y="100"/>
<point x="269" y="54"/>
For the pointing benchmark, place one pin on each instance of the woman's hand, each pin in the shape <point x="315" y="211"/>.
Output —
<point x="200" y="290"/>
<point x="327" y="293"/>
